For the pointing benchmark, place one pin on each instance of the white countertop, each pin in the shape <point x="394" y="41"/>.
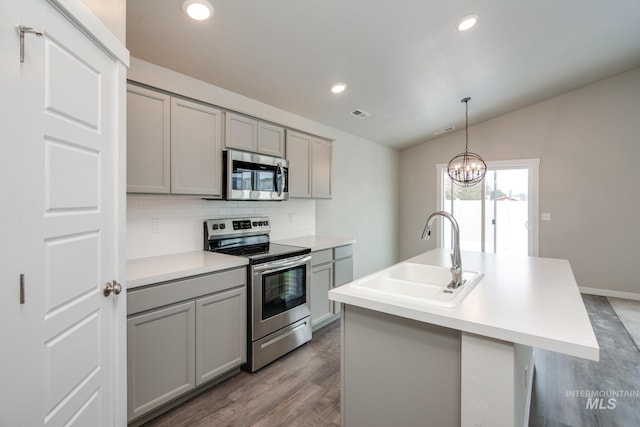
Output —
<point x="317" y="243"/>
<point x="526" y="300"/>
<point x="147" y="271"/>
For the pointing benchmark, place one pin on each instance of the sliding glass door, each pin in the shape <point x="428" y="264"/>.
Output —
<point x="499" y="215"/>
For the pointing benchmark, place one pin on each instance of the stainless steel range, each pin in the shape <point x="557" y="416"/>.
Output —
<point x="278" y="280"/>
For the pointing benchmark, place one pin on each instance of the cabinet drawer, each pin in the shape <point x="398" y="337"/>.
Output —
<point x="343" y="252"/>
<point x="151" y="297"/>
<point x="321" y="257"/>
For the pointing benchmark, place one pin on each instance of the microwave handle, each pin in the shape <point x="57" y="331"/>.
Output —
<point x="281" y="188"/>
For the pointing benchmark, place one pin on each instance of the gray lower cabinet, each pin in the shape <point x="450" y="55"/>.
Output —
<point x="183" y="334"/>
<point x="321" y="283"/>
<point x="221" y="328"/>
<point x="330" y="268"/>
<point x="161" y="357"/>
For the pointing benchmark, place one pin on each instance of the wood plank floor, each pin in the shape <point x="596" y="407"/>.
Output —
<point x="303" y="388"/>
<point x="300" y="389"/>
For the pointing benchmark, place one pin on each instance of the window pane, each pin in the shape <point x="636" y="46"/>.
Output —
<point x="466" y="207"/>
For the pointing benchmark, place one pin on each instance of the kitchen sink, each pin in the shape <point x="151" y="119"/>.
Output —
<point x="419" y="283"/>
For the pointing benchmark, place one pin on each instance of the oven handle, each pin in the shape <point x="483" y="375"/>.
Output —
<point x="270" y="267"/>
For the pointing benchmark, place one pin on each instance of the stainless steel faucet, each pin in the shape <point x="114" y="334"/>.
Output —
<point x="456" y="260"/>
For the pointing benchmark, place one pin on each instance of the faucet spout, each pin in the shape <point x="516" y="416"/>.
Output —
<point x="456" y="259"/>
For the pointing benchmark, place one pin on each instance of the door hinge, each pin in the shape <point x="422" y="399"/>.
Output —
<point x="22" y="298"/>
<point x="23" y="29"/>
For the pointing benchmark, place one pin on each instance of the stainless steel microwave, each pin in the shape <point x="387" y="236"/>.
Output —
<point x="251" y="176"/>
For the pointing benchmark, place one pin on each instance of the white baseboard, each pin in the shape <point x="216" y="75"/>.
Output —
<point x="609" y="293"/>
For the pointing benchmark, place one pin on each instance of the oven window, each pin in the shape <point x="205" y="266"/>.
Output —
<point x="283" y="290"/>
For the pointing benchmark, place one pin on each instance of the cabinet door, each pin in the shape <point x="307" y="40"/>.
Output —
<point x="342" y="273"/>
<point x="196" y="163"/>
<point x="321" y="282"/>
<point x="321" y="169"/>
<point x="241" y="132"/>
<point x="270" y="139"/>
<point x="299" y="156"/>
<point x="160" y="357"/>
<point x="148" y="141"/>
<point x="221" y="333"/>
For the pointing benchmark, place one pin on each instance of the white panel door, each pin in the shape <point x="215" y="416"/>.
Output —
<point x="69" y="133"/>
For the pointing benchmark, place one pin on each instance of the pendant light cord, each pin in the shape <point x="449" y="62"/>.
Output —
<point x="466" y="124"/>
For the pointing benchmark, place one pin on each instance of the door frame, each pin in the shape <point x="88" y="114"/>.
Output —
<point x="533" y="166"/>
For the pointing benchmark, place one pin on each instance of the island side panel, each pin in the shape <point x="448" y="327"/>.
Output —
<point x="496" y="382"/>
<point x="398" y="372"/>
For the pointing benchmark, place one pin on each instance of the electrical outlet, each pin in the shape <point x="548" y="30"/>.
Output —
<point x="155" y="225"/>
<point x="545" y="216"/>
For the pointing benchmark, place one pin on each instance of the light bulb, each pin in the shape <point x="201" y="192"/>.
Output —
<point x="198" y="9"/>
<point x="467" y="22"/>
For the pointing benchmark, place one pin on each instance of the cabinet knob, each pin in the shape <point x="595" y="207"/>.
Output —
<point x="113" y="286"/>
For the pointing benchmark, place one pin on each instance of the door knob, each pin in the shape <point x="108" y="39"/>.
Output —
<point x="114" y="287"/>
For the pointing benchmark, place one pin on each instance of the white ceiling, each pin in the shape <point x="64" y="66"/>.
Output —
<point x="403" y="60"/>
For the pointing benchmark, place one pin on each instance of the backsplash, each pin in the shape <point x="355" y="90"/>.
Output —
<point x="161" y="225"/>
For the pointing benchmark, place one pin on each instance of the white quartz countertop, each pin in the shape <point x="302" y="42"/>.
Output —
<point x="525" y="300"/>
<point x="147" y="271"/>
<point x="317" y="243"/>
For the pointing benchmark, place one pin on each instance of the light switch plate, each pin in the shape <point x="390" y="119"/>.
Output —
<point x="546" y="216"/>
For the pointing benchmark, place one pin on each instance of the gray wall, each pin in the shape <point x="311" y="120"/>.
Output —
<point x="589" y="149"/>
<point x="364" y="203"/>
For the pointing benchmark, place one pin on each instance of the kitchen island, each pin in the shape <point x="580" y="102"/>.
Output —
<point x="408" y="362"/>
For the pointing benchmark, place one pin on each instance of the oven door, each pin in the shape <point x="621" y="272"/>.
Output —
<point x="279" y="294"/>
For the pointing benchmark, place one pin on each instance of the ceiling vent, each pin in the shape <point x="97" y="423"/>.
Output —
<point x="445" y="130"/>
<point x="361" y="114"/>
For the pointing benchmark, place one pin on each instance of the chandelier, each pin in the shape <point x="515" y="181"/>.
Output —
<point x="466" y="169"/>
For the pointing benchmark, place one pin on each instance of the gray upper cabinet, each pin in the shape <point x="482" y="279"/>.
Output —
<point x="174" y="146"/>
<point x="321" y="169"/>
<point x="148" y="141"/>
<point x="240" y="132"/>
<point x="249" y="134"/>
<point x="310" y="161"/>
<point x="196" y="135"/>
<point x="271" y="139"/>
<point x="299" y="157"/>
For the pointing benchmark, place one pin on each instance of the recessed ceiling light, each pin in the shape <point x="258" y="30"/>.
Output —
<point x="197" y="9"/>
<point x="467" y="22"/>
<point x="338" y="87"/>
